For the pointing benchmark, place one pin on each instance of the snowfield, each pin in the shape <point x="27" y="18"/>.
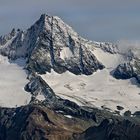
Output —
<point x="99" y="89"/>
<point x="12" y="82"/>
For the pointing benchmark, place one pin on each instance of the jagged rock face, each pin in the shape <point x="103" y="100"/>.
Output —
<point x="60" y="48"/>
<point x="112" y="130"/>
<point x="11" y="45"/>
<point x="4" y="39"/>
<point x="107" y="47"/>
<point x="50" y="43"/>
<point x="124" y="71"/>
<point x="38" y="123"/>
<point x="37" y="86"/>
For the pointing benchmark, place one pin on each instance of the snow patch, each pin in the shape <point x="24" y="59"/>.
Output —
<point x="68" y="116"/>
<point x="66" y="53"/>
<point x="12" y="82"/>
<point x="98" y="89"/>
<point x="110" y="61"/>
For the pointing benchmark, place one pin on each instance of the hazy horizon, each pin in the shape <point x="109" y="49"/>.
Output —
<point x="99" y="20"/>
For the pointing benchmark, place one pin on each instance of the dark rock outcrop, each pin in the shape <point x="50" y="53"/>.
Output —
<point x="38" y="122"/>
<point x="112" y="130"/>
<point x="138" y="77"/>
<point x="124" y="71"/>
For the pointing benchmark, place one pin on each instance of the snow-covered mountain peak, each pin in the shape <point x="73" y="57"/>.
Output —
<point x="52" y="44"/>
<point x="60" y="48"/>
<point x="81" y="67"/>
<point x="47" y="23"/>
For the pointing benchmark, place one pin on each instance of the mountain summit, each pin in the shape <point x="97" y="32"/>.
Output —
<point x="50" y="43"/>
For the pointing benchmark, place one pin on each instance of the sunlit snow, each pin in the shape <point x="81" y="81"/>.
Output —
<point x="98" y="89"/>
<point x="12" y="82"/>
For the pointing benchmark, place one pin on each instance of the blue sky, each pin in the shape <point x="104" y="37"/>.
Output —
<point x="100" y="20"/>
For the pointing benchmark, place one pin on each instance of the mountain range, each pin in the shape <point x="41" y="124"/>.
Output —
<point x="64" y="87"/>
